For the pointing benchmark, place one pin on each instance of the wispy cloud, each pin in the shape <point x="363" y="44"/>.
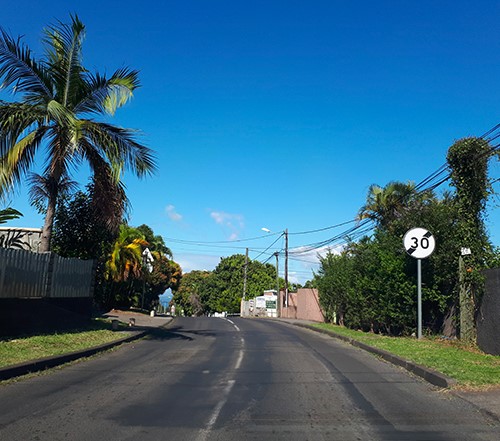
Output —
<point x="172" y="214"/>
<point x="311" y="257"/>
<point x="234" y="223"/>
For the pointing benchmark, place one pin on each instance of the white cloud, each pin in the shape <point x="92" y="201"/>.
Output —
<point x="172" y="214"/>
<point x="233" y="223"/>
<point x="202" y="262"/>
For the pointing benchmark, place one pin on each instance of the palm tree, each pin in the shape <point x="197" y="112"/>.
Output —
<point x="59" y="98"/>
<point x="385" y="204"/>
<point x="126" y="257"/>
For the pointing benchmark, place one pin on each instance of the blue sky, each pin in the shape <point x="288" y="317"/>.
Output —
<point x="280" y="114"/>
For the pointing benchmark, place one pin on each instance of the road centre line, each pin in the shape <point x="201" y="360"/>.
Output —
<point x="202" y="436"/>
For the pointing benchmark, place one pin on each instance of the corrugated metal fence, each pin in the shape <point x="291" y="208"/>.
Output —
<point x="24" y="274"/>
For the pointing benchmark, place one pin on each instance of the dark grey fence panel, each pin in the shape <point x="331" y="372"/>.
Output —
<point x="71" y="278"/>
<point x="488" y="320"/>
<point x="23" y="274"/>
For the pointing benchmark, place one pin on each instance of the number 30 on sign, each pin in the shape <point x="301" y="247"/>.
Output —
<point x="419" y="243"/>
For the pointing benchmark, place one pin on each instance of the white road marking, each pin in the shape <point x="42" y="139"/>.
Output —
<point x="202" y="436"/>
<point x="240" y="359"/>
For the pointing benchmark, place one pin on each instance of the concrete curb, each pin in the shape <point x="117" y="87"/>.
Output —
<point x="42" y="364"/>
<point x="429" y="375"/>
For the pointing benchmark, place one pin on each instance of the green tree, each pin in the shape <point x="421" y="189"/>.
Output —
<point x="79" y="229"/>
<point x="59" y="97"/>
<point x="386" y="204"/>
<point x="156" y="242"/>
<point x="190" y="293"/>
<point x="166" y="274"/>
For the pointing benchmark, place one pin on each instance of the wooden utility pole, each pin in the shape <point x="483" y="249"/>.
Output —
<point x="245" y="271"/>
<point x="286" y="267"/>
<point x="278" y="296"/>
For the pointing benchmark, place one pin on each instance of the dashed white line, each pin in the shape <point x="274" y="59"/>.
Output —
<point x="203" y="435"/>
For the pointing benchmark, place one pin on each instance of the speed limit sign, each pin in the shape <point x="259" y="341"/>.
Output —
<point x="419" y="243"/>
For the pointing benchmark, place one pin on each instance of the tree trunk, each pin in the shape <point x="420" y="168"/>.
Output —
<point x="45" y="244"/>
<point x="449" y="323"/>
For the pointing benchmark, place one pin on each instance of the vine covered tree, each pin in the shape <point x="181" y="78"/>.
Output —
<point x="59" y="98"/>
<point x="468" y="163"/>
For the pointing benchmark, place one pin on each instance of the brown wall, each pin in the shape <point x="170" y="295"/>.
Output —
<point x="308" y="307"/>
<point x="303" y="305"/>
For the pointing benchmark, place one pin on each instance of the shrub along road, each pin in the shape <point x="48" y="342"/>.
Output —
<point x="208" y="378"/>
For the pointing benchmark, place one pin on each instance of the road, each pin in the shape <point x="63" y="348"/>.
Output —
<point x="239" y="379"/>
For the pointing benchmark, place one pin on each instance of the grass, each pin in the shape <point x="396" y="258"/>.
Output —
<point x="468" y="365"/>
<point x="22" y="349"/>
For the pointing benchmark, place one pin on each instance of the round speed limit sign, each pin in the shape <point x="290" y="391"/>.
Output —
<point x="419" y="243"/>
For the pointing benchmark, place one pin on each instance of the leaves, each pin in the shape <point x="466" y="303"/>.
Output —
<point x="8" y="214"/>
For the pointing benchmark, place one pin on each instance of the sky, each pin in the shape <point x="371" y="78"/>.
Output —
<point x="281" y="114"/>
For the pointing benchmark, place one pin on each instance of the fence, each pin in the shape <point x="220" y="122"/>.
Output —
<point x="43" y="292"/>
<point x="488" y="319"/>
<point x="27" y="275"/>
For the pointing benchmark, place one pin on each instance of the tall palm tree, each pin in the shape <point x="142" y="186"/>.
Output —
<point x="59" y="99"/>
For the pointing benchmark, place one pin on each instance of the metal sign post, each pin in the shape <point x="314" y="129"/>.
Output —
<point x="419" y="243"/>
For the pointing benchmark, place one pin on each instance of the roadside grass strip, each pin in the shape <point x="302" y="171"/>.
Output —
<point x="27" y="348"/>
<point x="467" y="365"/>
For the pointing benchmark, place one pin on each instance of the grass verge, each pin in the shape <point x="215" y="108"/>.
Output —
<point x="468" y="365"/>
<point x="22" y="349"/>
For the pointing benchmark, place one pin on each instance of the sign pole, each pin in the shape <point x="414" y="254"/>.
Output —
<point x="419" y="244"/>
<point x="419" y="298"/>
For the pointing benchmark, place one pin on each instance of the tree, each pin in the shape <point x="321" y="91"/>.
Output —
<point x="156" y="242"/>
<point x="59" y="97"/>
<point x="224" y="288"/>
<point x="166" y="274"/>
<point x="79" y="229"/>
<point x="189" y="294"/>
<point x="126" y="256"/>
<point x="386" y="204"/>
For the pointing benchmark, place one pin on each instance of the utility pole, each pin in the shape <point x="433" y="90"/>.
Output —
<point x="278" y="297"/>
<point x="245" y="276"/>
<point x="286" y="267"/>
<point x="466" y="298"/>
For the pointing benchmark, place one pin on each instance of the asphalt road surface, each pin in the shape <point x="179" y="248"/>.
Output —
<point x="217" y="379"/>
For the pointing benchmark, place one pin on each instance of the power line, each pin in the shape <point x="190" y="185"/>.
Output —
<point x="198" y="242"/>
<point x="323" y="229"/>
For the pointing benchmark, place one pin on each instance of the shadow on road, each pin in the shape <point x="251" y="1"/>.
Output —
<point x="173" y="333"/>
